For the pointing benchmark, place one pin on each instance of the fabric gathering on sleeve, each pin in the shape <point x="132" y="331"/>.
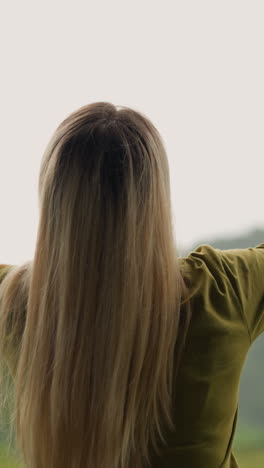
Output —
<point x="244" y="268"/>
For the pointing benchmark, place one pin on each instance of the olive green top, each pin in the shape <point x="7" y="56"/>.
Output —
<point x="227" y="301"/>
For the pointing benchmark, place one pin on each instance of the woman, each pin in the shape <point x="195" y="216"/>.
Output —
<point x="121" y="350"/>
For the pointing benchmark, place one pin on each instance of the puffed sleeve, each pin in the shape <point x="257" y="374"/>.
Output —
<point x="243" y="270"/>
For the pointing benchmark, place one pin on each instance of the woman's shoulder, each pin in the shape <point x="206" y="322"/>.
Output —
<point x="230" y="281"/>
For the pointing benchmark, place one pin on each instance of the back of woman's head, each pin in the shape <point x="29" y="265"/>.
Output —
<point x="96" y="319"/>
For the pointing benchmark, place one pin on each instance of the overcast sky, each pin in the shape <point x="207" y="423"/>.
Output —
<point x="195" y="68"/>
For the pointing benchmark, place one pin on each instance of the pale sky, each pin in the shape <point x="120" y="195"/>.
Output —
<point x="195" y="68"/>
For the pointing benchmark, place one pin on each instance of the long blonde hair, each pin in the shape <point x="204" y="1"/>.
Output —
<point x="94" y="326"/>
